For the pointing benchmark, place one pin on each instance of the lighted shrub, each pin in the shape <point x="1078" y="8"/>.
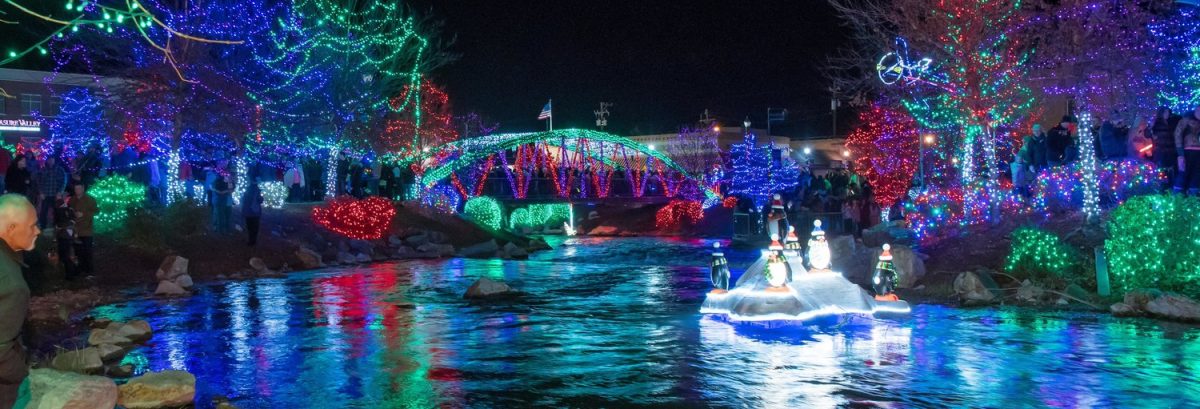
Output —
<point x="1040" y="255"/>
<point x="366" y="219"/>
<point x="519" y="219"/>
<point x="1154" y="242"/>
<point x="114" y="196"/>
<point x="484" y="211"/>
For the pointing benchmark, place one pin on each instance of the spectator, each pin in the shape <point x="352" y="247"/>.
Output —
<point x="18" y="232"/>
<point x="18" y="180"/>
<point x="50" y="183"/>
<point x="1163" y="136"/>
<point x="64" y="234"/>
<point x="85" y="216"/>
<point x="1058" y="142"/>
<point x="1114" y="136"/>
<point x="1187" y="149"/>
<point x="252" y="210"/>
<point x="222" y="200"/>
<point x="848" y="214"/>
<point x="294" y="179"/>
<point x="88" y="165"/>
<point x="1021" y="172"/>
<point x="1036" y="148"/>
<point x="5" y="162"/>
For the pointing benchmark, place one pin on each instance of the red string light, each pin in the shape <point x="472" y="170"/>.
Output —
<point x="885" y="151"/>
<point x="678" y="212"/>
<point x="366" y="219"/>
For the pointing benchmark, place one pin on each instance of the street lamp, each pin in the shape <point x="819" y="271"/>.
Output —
<point x="807" y="150"/>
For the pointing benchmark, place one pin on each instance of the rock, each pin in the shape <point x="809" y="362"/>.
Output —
<point x="119" y="371"/>
<point x="395" y="241"/>
<point x="184" y="281"/>
<point x="345" y="258"/>
<point x="437" y="237"/>
<point x="136" y="330"/>
<point x="1029" y="292"/>
<point x="486" y="249"/>
<point x="84" y="361"/>
<point x="171" y="267"/>
<point x="308" y="259"/>
<point x="1139" y="298"/>
<point x="841" y="245"/>
<point x="485" y="287"/>
<point x="239" y="228"/>
<point x="512" y="251"/>
<point x="362" y="258"/>
<point x="110" y="352"/>
<point x="910" y="267"/>
<point x="894" y="232"/>
<point x="603" y="230"/>
<point x="404" y="252"/>
<point x="362" y="247"/>
<point x="1078" y="292"/>
<point x="167" y="288"/>
<point x="1175" y="307"/>
<point x="49" y="388"/>
<point x="258" y="264"/>
<point x="158" y="390"/>
<point x="102" y="336"/>
<point x="1124" y="310"/>
<point x="417" y="240"/>
<point x="970" y="289"/>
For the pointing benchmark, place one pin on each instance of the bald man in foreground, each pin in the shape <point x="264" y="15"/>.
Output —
<point x="18" y="231"/>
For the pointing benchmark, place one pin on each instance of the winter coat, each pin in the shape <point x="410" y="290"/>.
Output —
<point x="252" y="202"/>
<point x="1058" y="140"/>
<point x="1037" y="150"/>
<point x="18" y="180"/>
<point x="293" y="176"/>
<point x="1187" y="134"/>
<point x="86" y="206"/>
<point x="1164" y="132"/>
<point x="1113" y="140"/>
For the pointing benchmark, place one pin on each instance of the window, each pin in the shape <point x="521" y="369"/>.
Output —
<point x="55" y="104"/>
<point x="31" y="103"/>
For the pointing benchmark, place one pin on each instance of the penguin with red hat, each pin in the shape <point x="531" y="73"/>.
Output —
<point x="884" y="279"/>
<point x="720" y="270"/>
<point x="777" y="217"/>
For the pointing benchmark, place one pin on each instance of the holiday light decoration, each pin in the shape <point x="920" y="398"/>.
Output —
<point x="485" y="212"/>
<point x="114" y="195"/>
<point x="331" y="181"/>
<point x="819" y="256"/>
<point x="80" y="124"/>
<point x="1087" y="164"/>
<point x="241" y="180"/>
<point x="729" y="202"/>
<point x="897" y="65"/>
<point x="760" y="171"/>
<point x="519" y="219"/>
<point x="274" y="194"/>
<point x="678" y="213"/>
<point x="441" y="198"/>
<point x="549" y="213"/>
<point x="883" y="281"/>
<point x="199" y="195"/>
<point x="1178" y="52"/>
<point x="1060" y="188"/>
<point x="885" y="149"/>
<point x="1040" y="254"/>
<point x="176" y="190"/>
<point x="1154" y="242"/>
<point x="436" y="127"/>
<point x="366" y="219"/>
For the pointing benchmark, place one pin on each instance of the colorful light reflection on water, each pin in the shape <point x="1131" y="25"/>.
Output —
<point x="614" y="322"/>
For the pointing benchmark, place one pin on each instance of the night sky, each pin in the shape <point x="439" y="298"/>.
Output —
<point x="662" y="63"/>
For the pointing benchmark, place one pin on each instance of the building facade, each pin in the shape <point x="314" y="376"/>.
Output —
<point x="28" y="99"/>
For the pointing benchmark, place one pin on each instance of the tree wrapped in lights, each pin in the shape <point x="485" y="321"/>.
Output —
<point x="1087" y="165"/>
<point x="274" y="194"/>
<point x="366" y="219"/>
<point x="678" y="213"/>
<point x="80" y="124"/>
<point x="885" y="148"/>
<point x="485" y="212"/>
<point x="114" y="195"/>
<point x="433" y="121"/>
<point x="1176" y="40"/>
<point x="1152" y="243"/>
<point x="760" y="171"/>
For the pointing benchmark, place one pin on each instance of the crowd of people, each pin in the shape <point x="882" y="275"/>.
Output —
<point x="61" y="201"/>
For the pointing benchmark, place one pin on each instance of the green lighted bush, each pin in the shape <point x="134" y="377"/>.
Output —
<point x="114" y="196"/>
<point x="1154" y="242"/>
<point x="485" y="212"/>
<point x="519" y="219"/>
<point x="1040" y="255"/>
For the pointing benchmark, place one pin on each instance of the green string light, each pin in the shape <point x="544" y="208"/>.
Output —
<point x="1154" y="242"/>
<point x="484" y="211"/>
<point x="114" y="195"/>
<point x="1040" y="254"/>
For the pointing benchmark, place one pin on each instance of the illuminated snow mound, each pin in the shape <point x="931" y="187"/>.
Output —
<point x="808" y="296"/>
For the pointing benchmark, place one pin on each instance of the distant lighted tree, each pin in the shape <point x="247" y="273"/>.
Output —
<point x="885" y="148"/>
<point x="758" y="171"/>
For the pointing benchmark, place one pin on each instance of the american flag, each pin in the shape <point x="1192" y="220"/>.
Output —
<point x="545" y="112"/>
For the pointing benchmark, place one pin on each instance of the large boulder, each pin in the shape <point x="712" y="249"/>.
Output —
<point x="537" y="243"/>
<point x="345" y="258"/>
<point x="841" y="245"/>
<point x="394" y="241"/>
<point x="604" y="230"/>
<point x="910" y="266"/>
<point x="85" y="361"/>
<point x="52" y="389"/>
<point x="1030" y="292"/>
<point x="171" y="267"/>
<point x="417" y="240"/>
<point x="970" y="289"/>
<point x="110" y="352"/>
<point x="485" y="287"/>
<point x="136" y="330"/>
<point x="308" y="259"/>
<point x="486" y="249"/>
<point x="1139" y="298"/>
<point x="107" y="336"/>
<point x="362" y="258"/>
<point x="166" y="389"/>
<point x="362" y="247"/>
<point x="1124" y="310"/>
<point x="1175" y="307"/>
<point x="894" y="232"/>
<point x="169" y="289"/>
<point x="184" y="281"/>
<point x="512" y="251"/>
<point x="258" y="265"/>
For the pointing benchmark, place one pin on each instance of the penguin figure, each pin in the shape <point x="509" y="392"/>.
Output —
<point x="818" y="249"/>
<point x="720" y="269"/>
<point x="777" y="217"/>
<point x="791" y="250"/>
<point x="884" y="279"/>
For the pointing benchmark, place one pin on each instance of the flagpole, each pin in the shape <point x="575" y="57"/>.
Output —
<point x="551" y="104"/>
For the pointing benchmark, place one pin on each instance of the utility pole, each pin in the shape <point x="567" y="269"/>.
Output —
<point x="833" y="107"/>
<point x="602" y="115"/>
<point x="774" y="116"/>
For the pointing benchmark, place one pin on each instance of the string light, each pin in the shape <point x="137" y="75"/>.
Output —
<point x="678" y="213"/>
<point x="1154" y="242"/>
<point x="1087" y="165"/>
<point x="519" y="218"/>
<point x="175" y="187"/>
<point x="242" y="180"/>
<point x="756" y="174"/>
<point x="884" y="149"/>
<point x="366" y="219"/>
<point x="484" y="211"/>
<point x="114" y="195"/>
<point x="274" y="194"/>
<point x="1041" y="254"/>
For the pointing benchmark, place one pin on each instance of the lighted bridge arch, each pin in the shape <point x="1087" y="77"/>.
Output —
<point x="579" y="163"/>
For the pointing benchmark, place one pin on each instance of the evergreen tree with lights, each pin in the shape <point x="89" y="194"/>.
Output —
<point x="758" y="171"/>
<point x="80" y="124"/>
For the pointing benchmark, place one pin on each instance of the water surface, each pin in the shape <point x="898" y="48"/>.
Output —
<point x="614" y="322"/>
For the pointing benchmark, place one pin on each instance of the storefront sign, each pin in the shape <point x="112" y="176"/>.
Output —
<point x="20" y="125"/>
